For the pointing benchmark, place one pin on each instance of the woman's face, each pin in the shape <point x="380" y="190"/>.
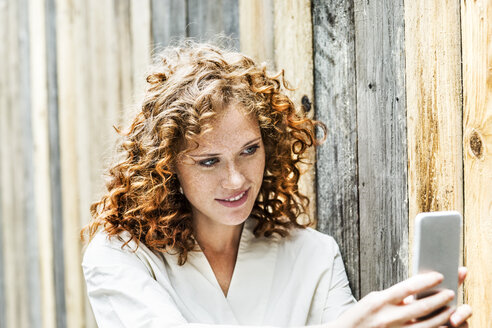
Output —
<point x="222" y="177"/>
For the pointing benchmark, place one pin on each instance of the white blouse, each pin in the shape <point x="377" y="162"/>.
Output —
<point x="294" y="281"/>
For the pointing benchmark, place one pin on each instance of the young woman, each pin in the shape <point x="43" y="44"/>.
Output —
<point x="200" y="225"/>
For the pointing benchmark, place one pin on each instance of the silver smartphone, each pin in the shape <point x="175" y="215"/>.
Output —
<point x="436" y="247"/>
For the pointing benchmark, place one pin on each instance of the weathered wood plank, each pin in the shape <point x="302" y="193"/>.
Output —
<point x="207" y="18"/>
<point x="434" y="106"/>
<point x="45" y="314"/>
<point x="15" y="255"/>
<point x="335" y="104"/>
<point x="168" y="21"/>
<point x="124" y="60"/>
<point x="293" y="51"/>
<point x="3" y="304"/>
<point x="141" y="47"/>
<point x="476" y="18"/>
<point x="55" y="170"/>
<point x="71" y="48"/>
<point x="256" y="33"/>
<point x="5" y="181"/>
<point x="28" y="234"/>
<point x="382" y="151"/>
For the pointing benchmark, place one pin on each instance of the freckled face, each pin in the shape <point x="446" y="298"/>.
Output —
<point x="222" y="177"/>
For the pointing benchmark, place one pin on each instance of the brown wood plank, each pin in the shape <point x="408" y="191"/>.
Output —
<point x="293" y="52"/>
<point x="168" y="21"/>
<point x="335" y="104"/>
<point x="434" y="106"/>
<point x="382" y="151"/>
<point x="207" y="18"/>
<point x="476" y="18"/>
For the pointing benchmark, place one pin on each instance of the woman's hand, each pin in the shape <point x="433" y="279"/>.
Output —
<point x="463" y="312"/>
<point x="392" y="308"/>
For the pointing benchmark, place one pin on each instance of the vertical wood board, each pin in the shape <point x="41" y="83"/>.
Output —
<point x="335" y="105"/>
<point x="45" y="313"/>
<point x="434" y="107"/>
<point x="55" y="170"/>
<point x="476" y="17"/>
<point x="168" y="21"/>
<point x="16" y="252"/>
<point x="4" y="165"/>
<point x="256" y="30"/>
<point x="293" y="52"/>
<point x="382" y="153"/>
<point x="208" y="18"/>
<point x="68" y="99"/>
<point x="141" y="47"/>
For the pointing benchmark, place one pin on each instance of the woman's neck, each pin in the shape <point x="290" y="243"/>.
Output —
<point x="217" y="238"/>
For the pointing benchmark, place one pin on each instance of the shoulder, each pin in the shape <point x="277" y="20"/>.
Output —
<point x="310" y="243"/>
<point x="103" y="250"/>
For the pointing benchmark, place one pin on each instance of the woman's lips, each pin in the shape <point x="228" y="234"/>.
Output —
<point x="235" y="203"/>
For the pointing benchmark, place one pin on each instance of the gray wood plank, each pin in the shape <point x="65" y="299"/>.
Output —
<point x="55" y="174"/>
<point x="3" y="304"/>
<point x="30" y="233"/>
<point x="208" y="18"/>
<point x="382" y="147"/>
<point x="335" y="105"/>
<point x="3" y="168"/>
<point x="168" y="21"/>
<point x="16" y="252"/>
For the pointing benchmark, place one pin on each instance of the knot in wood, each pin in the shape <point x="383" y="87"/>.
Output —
<point x="306" y="104"/>
<point x="476" y="144"/>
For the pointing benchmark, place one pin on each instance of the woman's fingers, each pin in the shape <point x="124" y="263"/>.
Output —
<point x="462" y="272"/>
<point x="413" y="285"/>
<point x="435" y="321"/>
<point x="427" y="305"/>
<point x="461" y="314"/>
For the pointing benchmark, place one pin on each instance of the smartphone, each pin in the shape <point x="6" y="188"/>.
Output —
<point x="437" y="248"/>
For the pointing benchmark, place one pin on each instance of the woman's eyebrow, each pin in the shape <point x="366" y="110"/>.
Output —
<point x="217" y="154"/>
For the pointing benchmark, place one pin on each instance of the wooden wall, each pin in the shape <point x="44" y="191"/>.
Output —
<point x="476" y="32"/>
<point x="409" y="127"/>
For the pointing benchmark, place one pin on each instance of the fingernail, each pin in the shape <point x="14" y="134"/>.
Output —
<point x="450" y="293"/>
<point x="439" y="276"/>
<point x="455" y="319"/>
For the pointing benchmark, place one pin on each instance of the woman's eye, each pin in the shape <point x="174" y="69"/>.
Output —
<point x="209" y="162"/>
<point x="251" y="150"/>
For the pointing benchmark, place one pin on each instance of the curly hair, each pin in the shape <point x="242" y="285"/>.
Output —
<point x="186" y="87"/>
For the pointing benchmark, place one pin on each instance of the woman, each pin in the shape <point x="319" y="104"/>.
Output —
<point x="201" y="221"/>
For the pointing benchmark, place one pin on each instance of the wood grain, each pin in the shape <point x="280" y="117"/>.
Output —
<point x="256" y="30"/>
<point x="293" y="36"/>
<point x="55" y="167"/>
<point x="434" y="106"/>
<point x="382" y="151"/>
<point x="209" y="18"/>
<point x="13" y="181"/>
<point x="69" y="51"/>
<point x="141" y="44"/>
<point x="46" y="316"/>
<point x="7" y="89"/>
<point x="168" y="21"/>
<point x="476" y="18"/>
<point x="335" y="105"/>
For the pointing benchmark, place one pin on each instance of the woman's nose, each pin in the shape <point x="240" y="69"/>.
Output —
<point x="234" y="179"/>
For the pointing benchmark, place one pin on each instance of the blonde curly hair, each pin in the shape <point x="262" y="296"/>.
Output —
<point x="188" y="84"/>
